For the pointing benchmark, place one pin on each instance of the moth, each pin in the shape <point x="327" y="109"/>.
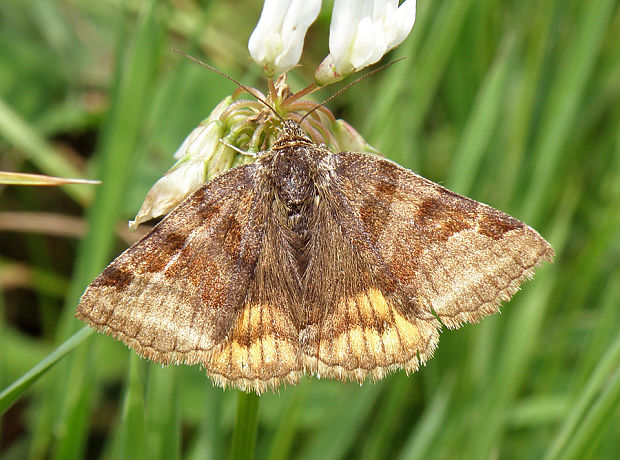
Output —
<point x="340" y="265"/>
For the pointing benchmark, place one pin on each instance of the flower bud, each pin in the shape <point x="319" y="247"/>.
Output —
<point x="361" y="32"/>
<point x="349" y="139"/>
<point x="187" y="175"/>
<point x="176" y="185"/>
<point x="278" y="39"/>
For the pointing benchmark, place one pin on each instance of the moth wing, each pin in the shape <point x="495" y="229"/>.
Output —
<point x="187" y="292"/>
<point x="460" y="258"/>
<point x="393" y="251"/>
<point x="359" y="322"/>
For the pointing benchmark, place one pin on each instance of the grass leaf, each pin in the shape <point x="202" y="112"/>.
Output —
<point x="14" y="391"/>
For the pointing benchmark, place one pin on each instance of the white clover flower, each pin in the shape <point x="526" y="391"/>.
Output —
<point x="278" y="39"/>
<point x="361" y="32"/>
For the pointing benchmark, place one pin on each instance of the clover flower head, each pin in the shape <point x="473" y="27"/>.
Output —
<point x="361" y="32"/>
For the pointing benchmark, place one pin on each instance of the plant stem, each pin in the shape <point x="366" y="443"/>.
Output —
<point x="246" y="423"/>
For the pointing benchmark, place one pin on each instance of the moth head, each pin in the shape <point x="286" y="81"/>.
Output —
<point x="291" y="131"/>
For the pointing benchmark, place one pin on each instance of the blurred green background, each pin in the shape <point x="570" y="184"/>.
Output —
<point x="514" y="103"/>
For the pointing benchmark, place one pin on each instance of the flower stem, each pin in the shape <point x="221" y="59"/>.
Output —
<point x="301" y="93"/>
<point x="246" y="423"/>
<point x="273" y="93"/>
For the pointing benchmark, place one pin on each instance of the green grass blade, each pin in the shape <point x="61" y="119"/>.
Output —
<point x="602" y="334"/>
<point x="538" y="411"/>
<point x="14" y="391"/>
<point x="246" y="426"/>
<point x="434" y="55"/>
<point x="389" y="416"/>
<point x="117" y="152"/>
<point x="3" y="346"/>
<point x="396" y="135"/>
<point x="395" y="80"/>
<point x="162" y="423"/>
<point x="574" y="422"/>
<point x="74" y="418"/>
<point x="208" y="441"/>
<point x="604" y="408"/>
<point x="517" y="126"/>
<point x="34" y="148"/>
<point x="481" y="123"/>
<point x="346" y="418"/>
<point x="562" y="107"/>
<point x="282" y="441"/>
<point x="429" y="425"/>
<point x="131" y="430"/>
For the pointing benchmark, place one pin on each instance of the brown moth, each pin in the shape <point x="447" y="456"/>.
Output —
<point x="339" y="265"/>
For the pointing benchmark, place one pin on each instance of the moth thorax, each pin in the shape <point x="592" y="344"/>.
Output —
<point x="293" y="178"/>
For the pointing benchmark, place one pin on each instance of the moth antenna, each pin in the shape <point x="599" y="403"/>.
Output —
<point x="219" y="72"/>
<point x="357" y="80"/>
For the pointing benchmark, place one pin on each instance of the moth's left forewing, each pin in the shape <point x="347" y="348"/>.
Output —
<point x="459" y="258"/>
<point x="173" y="295"/>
